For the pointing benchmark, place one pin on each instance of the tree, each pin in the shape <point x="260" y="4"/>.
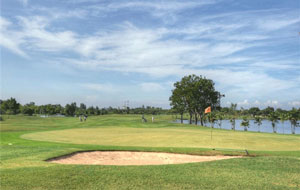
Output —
<point x="254" y="111"/>
<point x="70" y="109"/>
<point x="82" y="109"/>
<point x="274" y="119"/>
<point x="29" y="109"/>
<point x="97" y="111"/>
<point x="267" y="111"/>
<point x="10" y="106"/>
<point x="212" y="119"/>
<point x="232" y="122"/>
<point x="91" y="111"/>
<point x="294" y="116"/>
<point x="195" y="93"/>
<point x="178" y="101"/>
<point x="245" y="123"/>
<point x="283" y="117"/>
<point x="233" y="112"/>
<point x="258" y="122"/>
<point x="220" y="117"/>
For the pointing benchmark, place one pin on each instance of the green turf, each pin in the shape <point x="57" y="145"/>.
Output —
<point x="276" y="166"/>
<point x="170" y="137"/>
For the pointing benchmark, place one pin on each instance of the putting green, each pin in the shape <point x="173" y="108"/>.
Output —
<point x="171" y="137"/>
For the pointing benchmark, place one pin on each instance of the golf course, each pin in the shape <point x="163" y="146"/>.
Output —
<point x="27" y="142"/>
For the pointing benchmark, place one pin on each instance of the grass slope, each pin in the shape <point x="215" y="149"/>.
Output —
<point x="22" y="165"/>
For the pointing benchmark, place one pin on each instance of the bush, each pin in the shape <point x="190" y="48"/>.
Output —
<point x="1" y="119"/>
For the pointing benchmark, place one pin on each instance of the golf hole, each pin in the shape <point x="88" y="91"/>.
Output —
<point x="124" y="158"/>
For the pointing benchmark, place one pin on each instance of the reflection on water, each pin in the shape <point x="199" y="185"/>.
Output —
<point x="266" y="126"/>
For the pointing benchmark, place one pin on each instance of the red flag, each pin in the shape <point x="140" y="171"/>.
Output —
<point x="207" y="110"/>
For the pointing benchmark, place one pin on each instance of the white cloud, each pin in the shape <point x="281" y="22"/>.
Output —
<point x="276" y="24"/>
<point x="10" y="39"/>
<point x="39" y="38"/>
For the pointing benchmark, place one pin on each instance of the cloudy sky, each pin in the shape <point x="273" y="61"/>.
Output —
<point x="106" y="52"/>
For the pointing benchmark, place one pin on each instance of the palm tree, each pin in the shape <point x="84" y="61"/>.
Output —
<point x="232" y="121"/>
<point x="293" y="116"/>
<point x="283" y="117"/>
<point x="212" y="119"/>
<point x="258" y="122"/>
<point x="220" y="117"/>
<point x="233" y="112"/>
<point x="205" y="119"/>
<point x="245" y="123"/>
<point x="274" y="119"/>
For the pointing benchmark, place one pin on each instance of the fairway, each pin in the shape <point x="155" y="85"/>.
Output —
<point x="199" y="137"/>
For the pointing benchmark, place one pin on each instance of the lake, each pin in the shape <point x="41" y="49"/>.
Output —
<point x="266" y="126"/>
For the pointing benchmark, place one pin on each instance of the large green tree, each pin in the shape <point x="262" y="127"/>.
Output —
<point x="178" y="101"/>
<point x="195" y="93"/>
<point x="10" y="106"/>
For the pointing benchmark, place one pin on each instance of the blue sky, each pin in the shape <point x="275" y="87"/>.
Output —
<point x="106" y="52"/>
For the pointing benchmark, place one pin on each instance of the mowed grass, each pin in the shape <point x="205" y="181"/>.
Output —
<point x="276" y="166"/>
<point x="171" y="137"/>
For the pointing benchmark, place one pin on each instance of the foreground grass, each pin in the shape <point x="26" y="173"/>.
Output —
<point x="22" y="165"/>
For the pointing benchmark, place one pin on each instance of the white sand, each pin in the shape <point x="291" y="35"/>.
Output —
<point x="133" y="158"/>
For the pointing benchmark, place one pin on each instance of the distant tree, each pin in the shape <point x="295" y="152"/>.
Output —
<point x="82" y="108"/>
<point x="267" y="111"/>
<point x="294" y="116"/>
<point x="274" y="119"/>
<point x="220" y="118"/>
<point x="70" y="109"/>
<point x="97" y="111"/>
<point x="225" y="110"/>
<point x="205" y="120"/>
<point x="232" y="122"/>
<point x="10" y="106"/>
<point x="29" y="109"/>
<point x="283" y="117"/>
<point x="245" y="123"/>
<point x="254" y="111"/>
<point x="212" y="118"/>
<point x="58" y="109"/>
<point x="233" y="115"/>
<point x="91" y="111"/>
<point x="1" y="109"/>
<point x="258" y="121"/>
<point x="233" y="108"/>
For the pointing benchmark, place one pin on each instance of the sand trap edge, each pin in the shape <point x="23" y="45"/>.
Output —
<point x="127" y="158"/>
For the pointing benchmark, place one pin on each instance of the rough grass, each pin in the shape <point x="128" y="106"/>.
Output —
<point x="22" y="165"/>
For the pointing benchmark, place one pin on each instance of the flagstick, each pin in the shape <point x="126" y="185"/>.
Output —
<point x="210" y="127"/>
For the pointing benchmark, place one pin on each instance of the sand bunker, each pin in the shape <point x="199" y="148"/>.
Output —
<point x="132" y="158"/>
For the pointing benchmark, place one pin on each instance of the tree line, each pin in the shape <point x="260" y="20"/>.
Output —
<point x="194" y="93"/>
<point x="12" y="107"/>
